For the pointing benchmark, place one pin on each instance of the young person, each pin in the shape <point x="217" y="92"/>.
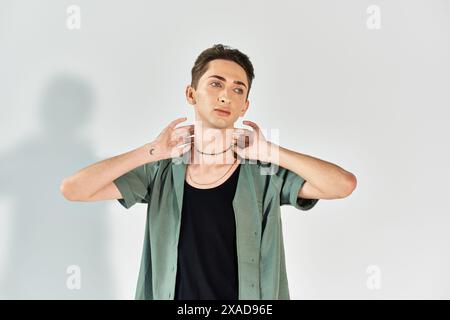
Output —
<point x="213" y="192"/>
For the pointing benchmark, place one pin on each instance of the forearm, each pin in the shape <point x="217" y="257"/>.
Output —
<point x="325" y="176"/>
<point x="91" y="179"/>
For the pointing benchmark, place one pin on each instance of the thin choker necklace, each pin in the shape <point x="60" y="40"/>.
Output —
<point x="212" y="154"/>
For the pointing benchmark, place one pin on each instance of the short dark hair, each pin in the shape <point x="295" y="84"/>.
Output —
<point x="219" y="51"/>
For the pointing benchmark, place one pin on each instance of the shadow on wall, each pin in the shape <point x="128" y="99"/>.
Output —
<point x="48" y="234"/>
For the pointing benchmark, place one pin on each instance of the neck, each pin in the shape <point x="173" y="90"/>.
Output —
<point x="215" y="142"/>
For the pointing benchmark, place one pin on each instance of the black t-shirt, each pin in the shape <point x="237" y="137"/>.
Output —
<point x="207" y="255"/>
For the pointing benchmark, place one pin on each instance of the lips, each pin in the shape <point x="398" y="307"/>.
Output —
<point x="222" y="111"/>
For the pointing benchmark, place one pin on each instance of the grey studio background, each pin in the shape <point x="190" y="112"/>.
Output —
<point x="362" y="84"/>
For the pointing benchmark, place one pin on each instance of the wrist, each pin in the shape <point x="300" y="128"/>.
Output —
<point x="148" y="152"/>
<point x="271" y="154"/>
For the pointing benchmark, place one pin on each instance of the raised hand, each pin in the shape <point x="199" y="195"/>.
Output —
<point x="173" y="142"/>
<point x="251" y="144"/>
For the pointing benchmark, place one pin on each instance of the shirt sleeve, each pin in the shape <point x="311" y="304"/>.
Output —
<point x="290" y="187"/>
<point x="136" y="185"/>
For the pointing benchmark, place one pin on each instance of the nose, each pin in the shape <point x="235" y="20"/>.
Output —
<point x="223" y="99"/>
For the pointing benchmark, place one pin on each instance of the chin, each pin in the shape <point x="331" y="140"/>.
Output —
<point x="223" y="122"/>
<point x="219" y="125"/>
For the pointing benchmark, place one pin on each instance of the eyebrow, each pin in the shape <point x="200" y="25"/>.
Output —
<point x="223" y="79"/>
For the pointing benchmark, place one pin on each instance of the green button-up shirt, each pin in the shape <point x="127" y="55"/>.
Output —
<point x="262" y="188"/>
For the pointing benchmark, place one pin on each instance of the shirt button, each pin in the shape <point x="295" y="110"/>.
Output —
<point x="170" y="295"/>
<point x="256" y="233"/>
<point x="173" y="268"/>
<point x="253" y="285"/>
<point x="253" y="260"/>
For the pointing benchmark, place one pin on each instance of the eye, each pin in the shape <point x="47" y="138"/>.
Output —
<point x="238" y="90"/>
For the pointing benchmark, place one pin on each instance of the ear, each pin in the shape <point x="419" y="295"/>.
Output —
<point x="190" y="95"/>
<point x="244" y="108"/>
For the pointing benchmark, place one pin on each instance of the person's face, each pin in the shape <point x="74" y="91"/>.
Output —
<point x="214" y="92"/>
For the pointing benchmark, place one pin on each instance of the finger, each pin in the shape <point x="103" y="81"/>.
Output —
<point x="179" y="150"/>
<point x="239" y="140"/>
<point x="238" y="151"/>
<point x="184" y="145"/>
<point x="242" y="139"/>
<point x="238" y="131"/>
<point x="185" y="149"/>
<point x="177" y="121"/>
<point x="182" y="150"/>
<point x="188" y="129"/>
<point x="240" y="143"/>
<point x="251" y="124"/>
<point x="175" y="140"/>
<point x="176" y="135"/>
<point x="242" y="132"/>
<point x="247" y="140"/>
<point x="182" y="131"/>
<point x="181" y="141"/>
<point x="184" y="135"/>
